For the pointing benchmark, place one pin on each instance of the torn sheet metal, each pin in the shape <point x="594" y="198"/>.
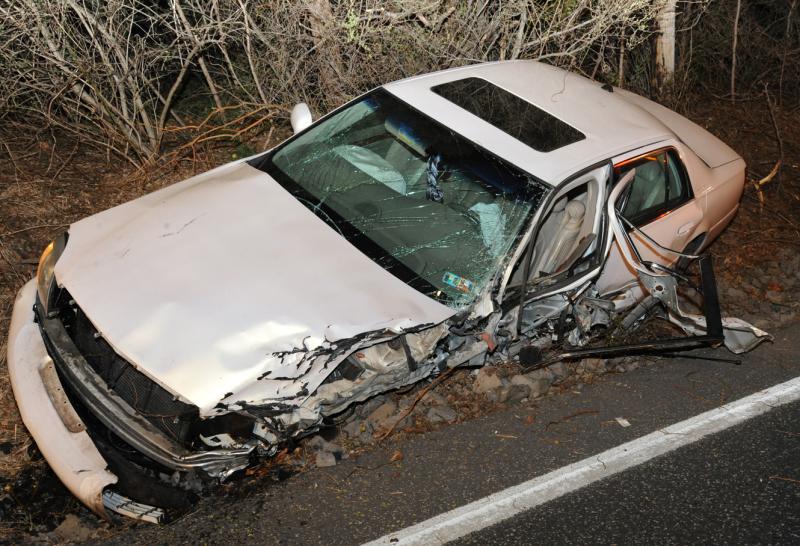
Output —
<point x="245" y="274"/>
<point x="60" y="435"/>
<point x="391" y="364"/>
<point x="129" y="508"/>
<point x="738" y="335"/>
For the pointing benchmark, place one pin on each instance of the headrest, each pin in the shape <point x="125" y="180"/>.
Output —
<point x="652" y="171"/>
<point x="575" y="209"/>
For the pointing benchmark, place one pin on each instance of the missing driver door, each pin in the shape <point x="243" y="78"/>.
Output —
<point x="570" y="244"/>
<point x="571" y="240"/>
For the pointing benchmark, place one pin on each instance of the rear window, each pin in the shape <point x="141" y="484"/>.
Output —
<point x="509" y="113"/>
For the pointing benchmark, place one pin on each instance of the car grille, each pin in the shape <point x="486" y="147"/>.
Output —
<point x="174" y="417"/>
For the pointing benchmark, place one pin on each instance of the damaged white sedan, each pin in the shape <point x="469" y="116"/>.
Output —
<point x="469" y="215"/>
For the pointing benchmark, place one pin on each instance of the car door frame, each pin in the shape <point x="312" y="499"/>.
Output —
<point x="661" y="284"/>
<point x="523" y="253"/>
<point x="682" y="224"/>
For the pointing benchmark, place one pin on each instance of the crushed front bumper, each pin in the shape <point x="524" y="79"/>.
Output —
<point x="59" y="432"/>
<point x="119" y="417"/>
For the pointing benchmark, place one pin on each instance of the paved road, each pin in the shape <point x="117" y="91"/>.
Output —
<point x="741" y="486"/>
<point x="363" y="499"/>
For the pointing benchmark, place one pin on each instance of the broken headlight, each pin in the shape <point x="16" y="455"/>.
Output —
<point x="45" y="272"/>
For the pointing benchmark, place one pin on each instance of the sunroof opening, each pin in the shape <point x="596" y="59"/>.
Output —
<point x="509" y="113"/>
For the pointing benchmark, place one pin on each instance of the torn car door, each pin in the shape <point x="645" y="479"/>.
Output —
<point x="659" y="201"/>
<point x="661" y="283"/>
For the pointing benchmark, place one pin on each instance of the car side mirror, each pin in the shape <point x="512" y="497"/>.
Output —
<point x="301" y="117"/>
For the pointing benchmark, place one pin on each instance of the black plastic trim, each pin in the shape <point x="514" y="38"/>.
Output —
<point x="116" y="414"/>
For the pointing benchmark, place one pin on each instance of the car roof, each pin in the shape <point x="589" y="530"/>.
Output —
<point x="611" y="124"/>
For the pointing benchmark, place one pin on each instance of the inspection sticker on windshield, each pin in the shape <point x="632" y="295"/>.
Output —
<point x="459" y="283"/>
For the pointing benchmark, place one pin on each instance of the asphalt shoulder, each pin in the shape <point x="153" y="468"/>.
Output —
<point x="740" y="486"/>
<point x="366" y="497"/>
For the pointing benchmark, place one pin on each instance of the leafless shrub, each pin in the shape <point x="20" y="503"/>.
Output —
<point x="767" y="52"/>
<point x="109" y="72"/>
<point x="81" y="68"/>
<point x="350" y="47"/>
<point x="115" y="72"/>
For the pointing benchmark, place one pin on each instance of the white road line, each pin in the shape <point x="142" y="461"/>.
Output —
<point x="514" y="500"/>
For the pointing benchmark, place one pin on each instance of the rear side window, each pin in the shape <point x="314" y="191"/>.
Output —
<point x="509" y="113"/>
<point x="660" y="185"/>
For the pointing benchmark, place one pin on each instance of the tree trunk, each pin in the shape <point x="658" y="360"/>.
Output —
<point x="665" y="44"/>
<point x="786" y="42"/>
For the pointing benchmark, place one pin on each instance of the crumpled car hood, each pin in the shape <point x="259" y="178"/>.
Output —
<point x="216" y="286"/>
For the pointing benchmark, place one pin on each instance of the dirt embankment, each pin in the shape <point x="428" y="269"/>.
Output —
<point x="46" y="185"/>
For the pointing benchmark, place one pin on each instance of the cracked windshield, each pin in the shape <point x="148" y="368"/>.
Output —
<point x="427" y="205"/>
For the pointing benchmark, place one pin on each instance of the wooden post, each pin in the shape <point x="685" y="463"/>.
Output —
<point x="665" y="43"/>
